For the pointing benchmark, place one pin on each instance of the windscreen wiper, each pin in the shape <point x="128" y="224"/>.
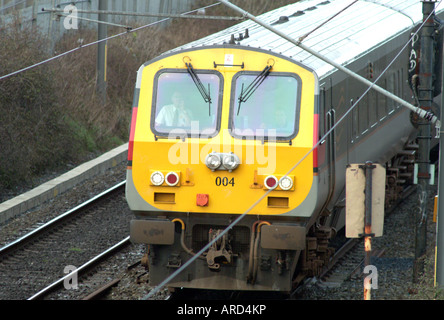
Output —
<point x="205" y="95"/>
<point x="245" y="95"/>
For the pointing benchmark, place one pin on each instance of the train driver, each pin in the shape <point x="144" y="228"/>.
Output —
<point x="279" y="121"/>
<point x="175" y="114"/>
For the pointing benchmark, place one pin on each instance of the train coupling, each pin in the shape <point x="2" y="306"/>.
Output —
<point x="219" y="250"/>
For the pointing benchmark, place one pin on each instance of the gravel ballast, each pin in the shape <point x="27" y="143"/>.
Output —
<point x="395" y="267"/>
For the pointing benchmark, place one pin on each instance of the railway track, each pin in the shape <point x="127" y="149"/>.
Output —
<point x="348" y="261"/>
<point x="26" y="271"/>
<point x="347" y="265"/>
<point x="44" y="255"/>
<point x="89" y="264"/>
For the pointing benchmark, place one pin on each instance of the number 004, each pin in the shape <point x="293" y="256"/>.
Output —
<point x="224" y="181"/>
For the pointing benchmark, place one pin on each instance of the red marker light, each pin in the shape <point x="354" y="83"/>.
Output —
<point x="172" y="179"/>
<point x="271" y="182"/>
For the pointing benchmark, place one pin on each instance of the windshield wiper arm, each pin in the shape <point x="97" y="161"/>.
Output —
<point x="245" y="95"/>
<point x="205" y="95"/>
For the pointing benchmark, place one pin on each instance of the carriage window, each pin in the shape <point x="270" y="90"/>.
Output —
<point x="400" y="85"/>
<point x="372" y="107"/>
<point x="382" y="102"/>
<point x="181" y="108"/>
<point x="362" y="108"/>
<point x="391" y="88"/>
<point x="270" y="110"/>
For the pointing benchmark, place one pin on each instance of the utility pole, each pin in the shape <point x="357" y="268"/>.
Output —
<point x="425" y="98"/>
<point x="101" y="52"/>
<point x="439" y="246"/>
<point x="368" y="167"/>
<point x="51" y="30"/>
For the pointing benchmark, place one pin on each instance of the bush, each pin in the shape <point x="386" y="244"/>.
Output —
<point x="33" y="131"/>
<point x="51" y="115"/>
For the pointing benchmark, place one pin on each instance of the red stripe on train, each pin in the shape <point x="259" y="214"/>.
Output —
<point x="132" y="132"/>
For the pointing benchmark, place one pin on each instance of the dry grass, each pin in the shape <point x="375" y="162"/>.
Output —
<point x="51" y="115"/>
<point x="32" y="132"/>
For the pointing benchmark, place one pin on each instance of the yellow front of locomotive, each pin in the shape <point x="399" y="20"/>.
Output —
<point x="213" y="130"/>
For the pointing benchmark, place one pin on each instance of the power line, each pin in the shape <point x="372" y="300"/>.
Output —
<point x="422" y="113"/>
<point x="96" y="42"/>
<point x="325" y="22"/>
<point x="148" y="14"/>
<point x="96" y="21"/>
<point x="225" y="231"/>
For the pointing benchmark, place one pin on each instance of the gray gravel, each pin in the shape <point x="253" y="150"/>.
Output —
<point x="134" y="281"/>
<point x="394" y="267"/>
<point x="21" y="224"/>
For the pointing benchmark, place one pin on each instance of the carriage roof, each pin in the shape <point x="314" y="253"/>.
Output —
<point x="363" y="26"/>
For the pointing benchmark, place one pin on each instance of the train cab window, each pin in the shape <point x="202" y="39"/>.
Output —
<point x="270" y="110"/>
<point x="180" y="109"/>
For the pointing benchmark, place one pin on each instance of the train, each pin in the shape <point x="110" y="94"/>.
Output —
<point x="219" y="123"/>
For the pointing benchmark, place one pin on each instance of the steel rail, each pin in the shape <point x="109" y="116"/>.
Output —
<point x="85" y="266"/>
<point x="240" y="217"/>
<point x="57" y="220"/>
<point x="350" y="244"/>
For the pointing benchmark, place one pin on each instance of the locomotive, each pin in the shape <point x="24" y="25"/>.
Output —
<point x="219" y="122"/>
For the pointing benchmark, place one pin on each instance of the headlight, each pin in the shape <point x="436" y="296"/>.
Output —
<point x="285" y="183"/>
<point x="230" y="161"/>
<point x="222" y="161"/>
<point x="212" y="161"/>
<point x="157" y="178"/>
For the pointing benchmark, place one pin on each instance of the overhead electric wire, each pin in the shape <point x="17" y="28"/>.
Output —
<point x="325" y="22"/>
<point x="147" y="14"/>
<point x="168" y="279"/>
<point x="96" y="42"/>
<point x="240" y="217"/>
<point x="421" y="112"/>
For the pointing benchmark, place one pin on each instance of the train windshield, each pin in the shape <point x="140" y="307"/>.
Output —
<point x="180" y="108"/>
<point x="271" y="110"/>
